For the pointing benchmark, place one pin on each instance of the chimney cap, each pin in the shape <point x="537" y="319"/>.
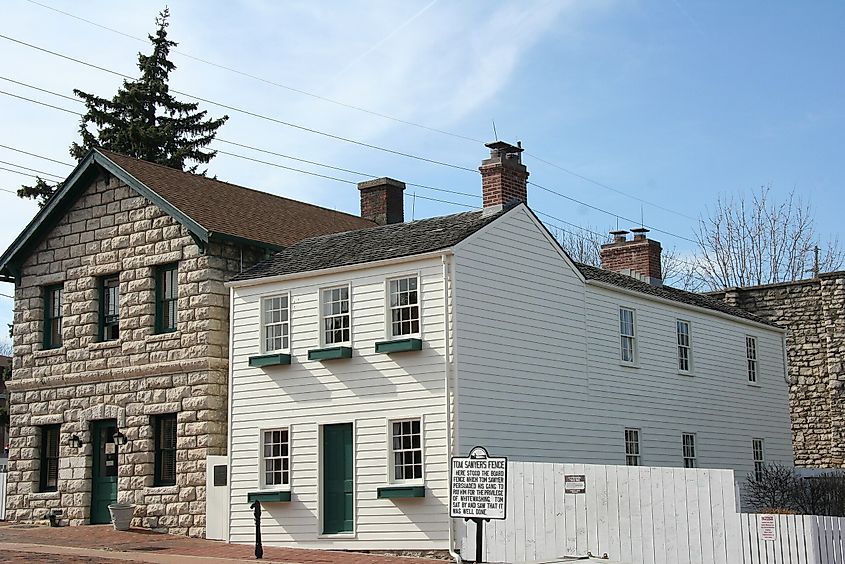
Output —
<point x="619" y="232"/>
<point x="504" y="147"/>
<point x="642" y="230"/>
<point x="379" y="182"/>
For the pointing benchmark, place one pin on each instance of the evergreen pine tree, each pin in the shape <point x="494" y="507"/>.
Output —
<point x="143" y="120"/>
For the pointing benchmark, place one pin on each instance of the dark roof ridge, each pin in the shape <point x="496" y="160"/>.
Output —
<point x="106" y="152"/>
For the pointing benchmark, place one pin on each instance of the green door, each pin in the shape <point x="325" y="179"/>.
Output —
<point x="338" y="499"/>
<point x="104" y="478"/>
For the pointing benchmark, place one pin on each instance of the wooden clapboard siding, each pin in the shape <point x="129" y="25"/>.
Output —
<point x="520" y="344"/>
<point x="539" y="373"/>
<point x="368" y="390"/>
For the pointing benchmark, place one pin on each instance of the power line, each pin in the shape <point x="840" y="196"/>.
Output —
<point x="364" y="110"/>
<point x="251" y="113"/>
<point x="35" y="155"/>
<point x="41" y="172"/>
<point x="19" y="172"/>
<point x="542" y="187"/>
<point x="270" y="82"/>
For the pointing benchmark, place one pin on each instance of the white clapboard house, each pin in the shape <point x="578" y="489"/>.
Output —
<point x="362" y="360"/>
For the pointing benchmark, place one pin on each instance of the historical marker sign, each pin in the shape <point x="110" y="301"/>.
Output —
<point x="574" y="483"/>
<point x="478" y="486"/>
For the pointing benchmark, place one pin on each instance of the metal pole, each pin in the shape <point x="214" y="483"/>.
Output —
<point x="259" y="550"/>
<point x="479" y="540"/>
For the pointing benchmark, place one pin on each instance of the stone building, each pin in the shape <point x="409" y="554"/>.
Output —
<point x="814" y="313"/>
<point x="121" y="340"/>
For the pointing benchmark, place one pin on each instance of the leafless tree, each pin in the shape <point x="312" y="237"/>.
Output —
<point x="753" y="240"/>
<point x="773" y="490"/>
<point x="582" y="246"/>
<point x="5" y="348"/>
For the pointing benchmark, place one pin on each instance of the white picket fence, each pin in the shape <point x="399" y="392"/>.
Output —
<point x="3" y="493"/>
<point x="644" y="515"/>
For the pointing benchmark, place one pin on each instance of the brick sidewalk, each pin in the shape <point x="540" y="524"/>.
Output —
<point x="141" y="545"/>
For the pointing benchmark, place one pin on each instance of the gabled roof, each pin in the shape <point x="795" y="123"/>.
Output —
<point x="437" y="233"/>
<point x="210" y="209"/>
<point x="666" y="292"/>
<point x="369" y="245"/>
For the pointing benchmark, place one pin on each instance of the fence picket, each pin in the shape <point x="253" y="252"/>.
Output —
<point x="645" y="515"/>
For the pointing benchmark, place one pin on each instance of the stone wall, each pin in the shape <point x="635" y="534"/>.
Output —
<point x="813" y="311"/>
<point x="111" y="229"/>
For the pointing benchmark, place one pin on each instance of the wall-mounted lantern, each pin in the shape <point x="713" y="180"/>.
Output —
<point x="75" y="441"/>
<point x="119" y="439"/>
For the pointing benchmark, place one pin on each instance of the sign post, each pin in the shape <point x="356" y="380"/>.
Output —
<point x="478" y="489"/>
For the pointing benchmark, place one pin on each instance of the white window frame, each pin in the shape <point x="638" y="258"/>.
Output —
<point x="752" y="366"/>
<point x="262" y="472"/>
<point x="322" y="316"/>
<point x="681" y="346"/>
<point x="761" y="461"/>
<point x="264" y="324"/>
<point x="391" y="463"/>
<point x="689" y="450"/>
<point x="639" y="454"/>
<point x="388" y="310"/>
<point x="633" y="337"/>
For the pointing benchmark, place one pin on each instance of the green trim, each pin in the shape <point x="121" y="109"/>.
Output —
<point x="401" y="492"/>
<point x="267" y="497"/>
<point x="269" y="360"/>
<point x="398" y="345"/>
<point x="330" y="353"/>
<point x="160" y="272"/>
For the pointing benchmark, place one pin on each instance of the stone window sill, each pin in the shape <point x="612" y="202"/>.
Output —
<point x="100" y="345"/>
<point x="47" y="353"/>
<point x="163" y="337"/>
<point x="45" y="495"/>
<point x="161" y="490"/>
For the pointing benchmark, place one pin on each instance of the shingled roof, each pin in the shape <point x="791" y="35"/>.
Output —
<point x="231" y="210"/>
<point x="666" y="292"/>
<point x="374" y="244"/>
<point x="434" y="234"/>
<point x="210" y="209"/>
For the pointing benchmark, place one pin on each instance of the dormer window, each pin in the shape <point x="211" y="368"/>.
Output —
<point x="404" y="306"/>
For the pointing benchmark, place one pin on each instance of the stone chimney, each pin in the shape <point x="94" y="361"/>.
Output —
<point x="504" y="178"/>
<point x="638" y="257"/>
<point x="382" y="200"/>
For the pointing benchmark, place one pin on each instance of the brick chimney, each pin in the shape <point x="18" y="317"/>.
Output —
<point x="503" y="176"/>
<point x="382" y="200"/>
<point x="638" y="257"/>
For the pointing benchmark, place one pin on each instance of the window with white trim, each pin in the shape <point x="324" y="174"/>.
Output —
<point x="628" y="335"/>
<point x="404" y="306"/>
<point x="758" y="452"/>
<point x="751" y="357"/>
<point x="336" y="318"/>
<point x="632" y="447"/>
<point x="688" y="442"/>
<point x="684" y="345"/>
<point x="276" y="323"/>
<point x="275" y="460"/>
<point x="406" y="447"/>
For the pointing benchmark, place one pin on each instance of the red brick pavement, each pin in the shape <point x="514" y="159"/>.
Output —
<point x="140" y="542"/>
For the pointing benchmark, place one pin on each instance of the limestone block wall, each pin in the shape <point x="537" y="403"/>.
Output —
<point x="814" y="313"/>
<point x="111" y="229"/>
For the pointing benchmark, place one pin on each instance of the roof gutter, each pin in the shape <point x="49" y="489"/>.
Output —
<point x="683" y="305"/>
<point x="336" y="269"/>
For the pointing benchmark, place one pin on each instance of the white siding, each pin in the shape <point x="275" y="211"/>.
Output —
<point x="367" y="390"/>
<point x="540" y="378"/>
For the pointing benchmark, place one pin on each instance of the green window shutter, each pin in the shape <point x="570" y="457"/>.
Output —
<point x="49" y="459"/>
<point x="164" y="433"/>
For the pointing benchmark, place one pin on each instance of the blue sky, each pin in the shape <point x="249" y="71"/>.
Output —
<point x="673" y="102"/>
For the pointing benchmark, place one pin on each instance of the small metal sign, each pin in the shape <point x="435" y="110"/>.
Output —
<point x="478" y="486"/>
<point x="574" y="483"/>
<point x="768" y="530"/>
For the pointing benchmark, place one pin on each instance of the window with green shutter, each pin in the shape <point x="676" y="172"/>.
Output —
<point x="53" y="299"/>
<point x="167" y="297"/>
<point x="164" y="428"/>
<point x="49" y="473"/>
<point x="110" y="308"/>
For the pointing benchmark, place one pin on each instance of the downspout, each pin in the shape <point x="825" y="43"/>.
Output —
<point x="447" y="385"/>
